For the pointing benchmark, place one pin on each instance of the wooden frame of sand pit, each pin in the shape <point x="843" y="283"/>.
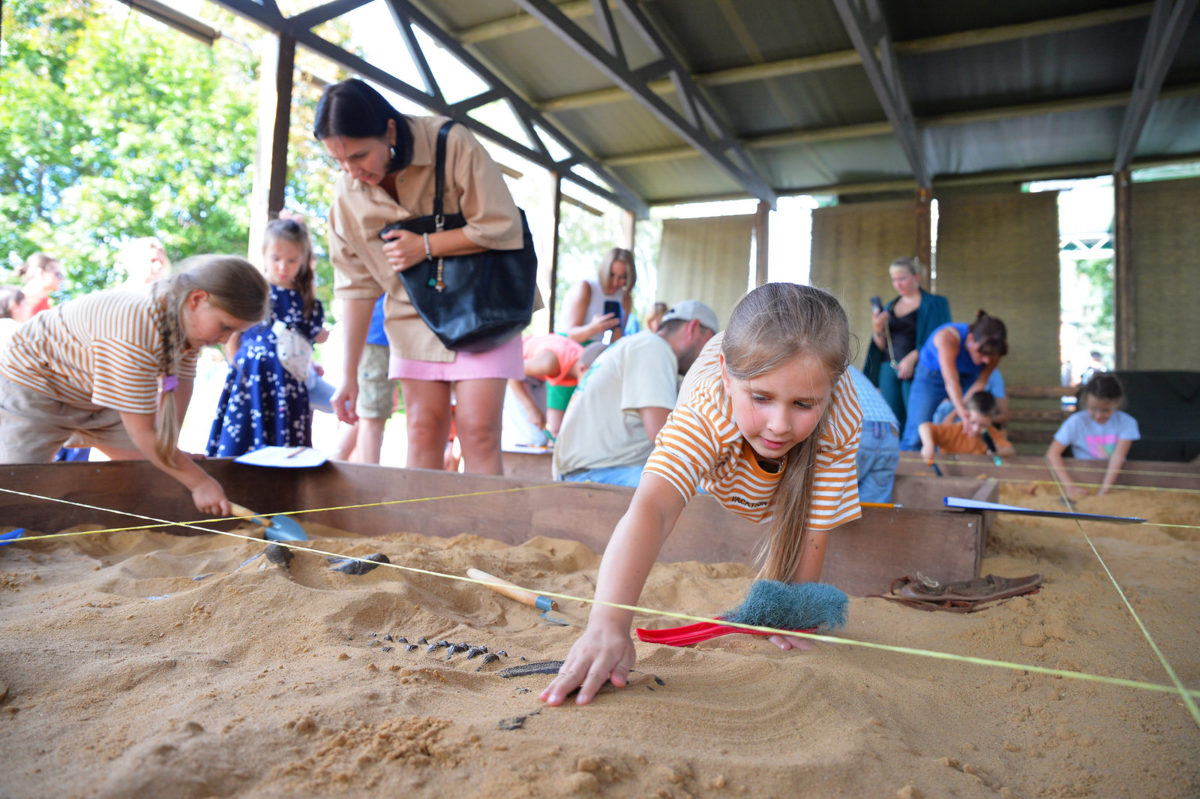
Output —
<point x="865" y="556"/>
<point x="1159" y="474"/>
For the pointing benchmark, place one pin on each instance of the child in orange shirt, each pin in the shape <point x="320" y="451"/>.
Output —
<point x="966" y="437"/>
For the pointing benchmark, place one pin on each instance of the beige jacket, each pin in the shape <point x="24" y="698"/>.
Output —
<point x="474" y="186"/>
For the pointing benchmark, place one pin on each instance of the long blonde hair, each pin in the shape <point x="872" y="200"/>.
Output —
<point x="234" y="286"/>
<point x="768" y="327"/>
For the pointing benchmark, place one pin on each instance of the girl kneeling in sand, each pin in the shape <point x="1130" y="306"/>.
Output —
<point x="765" y="424"/>
<point x="89" y="370"/>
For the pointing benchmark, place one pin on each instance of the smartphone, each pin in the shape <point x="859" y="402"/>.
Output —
<point x="612" y="307"/>
<point x="876" y="305"/>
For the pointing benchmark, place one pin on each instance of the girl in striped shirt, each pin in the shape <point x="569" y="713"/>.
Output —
<point x="114" y="369"/>
<point x="766" y="424"/>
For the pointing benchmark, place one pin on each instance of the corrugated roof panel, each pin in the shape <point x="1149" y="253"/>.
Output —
<point x="679" y="180"/>
<point x="720" y="34"/>
<point x="617" y="129"/>
<point x="914" y="19"/>
<point x="1023" y="143"/>
<point x="542" y="66"/>
<point x="799" y="167"/>
<point x="1076" y="63"/>
<point x="1173" y="128"/>
<point x="806" y="101"/>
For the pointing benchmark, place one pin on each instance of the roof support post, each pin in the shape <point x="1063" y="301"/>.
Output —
<point x="762" y="242"/>
<point x="1125" y="322"/>
<point x="552" y="303"/>
<point x="925" y="233"/>
<point x="698" y="125"/>
<point x="269" y="182"/>
<point x="867" y="29"/>
<point x="1168" y="21"/>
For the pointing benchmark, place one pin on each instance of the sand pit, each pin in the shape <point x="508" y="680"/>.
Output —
<point x="123" y="676"/>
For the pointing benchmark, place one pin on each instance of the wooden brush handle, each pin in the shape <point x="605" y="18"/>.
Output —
<point x="507" y="589"/>
<point x="246" y="513"/>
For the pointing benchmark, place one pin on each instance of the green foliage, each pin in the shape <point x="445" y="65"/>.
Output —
<point x="114" y="127"/>
<point x="1099" y="306"/>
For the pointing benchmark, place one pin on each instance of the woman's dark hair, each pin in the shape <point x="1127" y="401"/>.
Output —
<point x="355" y="110"/>
<point x="990" y="334"/>
<point x="1105" y="386"/>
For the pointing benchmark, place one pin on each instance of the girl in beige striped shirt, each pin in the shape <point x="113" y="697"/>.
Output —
<point x="766" y="425"/>
<point x="90" y="371"/>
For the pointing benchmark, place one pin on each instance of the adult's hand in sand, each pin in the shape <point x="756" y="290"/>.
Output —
<point x="604" y="653"/>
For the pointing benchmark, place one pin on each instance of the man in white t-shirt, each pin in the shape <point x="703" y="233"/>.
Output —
<point x="623" y="400"/>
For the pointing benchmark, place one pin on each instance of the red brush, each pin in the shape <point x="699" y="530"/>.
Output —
<point x="802" y="608"/>
<point x="695" y="633"/>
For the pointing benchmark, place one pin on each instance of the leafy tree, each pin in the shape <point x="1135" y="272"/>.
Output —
<point x="113" y="126"/>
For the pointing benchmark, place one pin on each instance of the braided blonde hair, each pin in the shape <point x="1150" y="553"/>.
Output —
<point x="234" y="286"/>
<point x="768" y="327"/>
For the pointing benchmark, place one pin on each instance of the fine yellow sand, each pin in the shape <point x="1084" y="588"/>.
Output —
<point x="123" y="676"/>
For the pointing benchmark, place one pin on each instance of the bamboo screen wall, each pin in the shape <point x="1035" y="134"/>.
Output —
<point x="1166" y="274"/>
<point x="706" y="260"/>
<point x="1000" y="253"/>
<point x="852" y="246"/>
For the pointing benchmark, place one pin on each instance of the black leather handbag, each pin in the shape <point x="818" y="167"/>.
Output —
<point x="471" y="302"/>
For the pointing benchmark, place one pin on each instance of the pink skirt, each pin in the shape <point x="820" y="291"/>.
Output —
<point x="504" y="361"/>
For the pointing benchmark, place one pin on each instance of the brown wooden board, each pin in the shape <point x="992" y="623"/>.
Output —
<point x="864" y="556"/>
<point x="1161" y="474"/>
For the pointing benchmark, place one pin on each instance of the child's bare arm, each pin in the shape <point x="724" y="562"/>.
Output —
<point x="605" y="651"/>
<point x="1115" y="461"/>
<point x="927" y="447"/>
<point x="207" y="493"/>
<point x="1054" y="455"/>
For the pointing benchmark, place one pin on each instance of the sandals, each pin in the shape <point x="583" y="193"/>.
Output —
<point x="966" y="596"/>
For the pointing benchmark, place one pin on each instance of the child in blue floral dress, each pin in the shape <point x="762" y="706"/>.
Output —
<point x="265" y="399"/>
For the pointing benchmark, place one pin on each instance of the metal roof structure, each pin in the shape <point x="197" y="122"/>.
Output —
<point x="665" y="101"/>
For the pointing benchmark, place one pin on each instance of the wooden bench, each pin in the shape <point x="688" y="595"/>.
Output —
<point x="1036" y="412"/>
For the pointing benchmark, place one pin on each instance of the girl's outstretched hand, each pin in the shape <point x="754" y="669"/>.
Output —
<point x="786" y="642"/>
<point x="604" y="653"/>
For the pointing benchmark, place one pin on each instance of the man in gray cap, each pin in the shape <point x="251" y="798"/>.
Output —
<point x="624" y="398"/>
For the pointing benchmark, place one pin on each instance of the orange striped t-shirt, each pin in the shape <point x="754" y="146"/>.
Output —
<point x="103" y="350"/>
<point x="700" y="445"/>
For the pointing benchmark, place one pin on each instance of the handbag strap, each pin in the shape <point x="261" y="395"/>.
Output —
<point x="439" y="191"/>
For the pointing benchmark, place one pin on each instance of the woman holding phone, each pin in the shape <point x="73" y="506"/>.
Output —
<point x="594" y="307"/>
<point x="899" y="330"/>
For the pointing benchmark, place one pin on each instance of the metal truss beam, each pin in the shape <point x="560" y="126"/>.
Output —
<point x="1168" y="21"/>
<point x="698" y="123"/>
<point x="406" y="15"/>
<point x="864" y="23"/>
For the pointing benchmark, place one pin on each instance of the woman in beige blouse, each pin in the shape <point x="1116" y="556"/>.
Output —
<point x="388" y="171"/>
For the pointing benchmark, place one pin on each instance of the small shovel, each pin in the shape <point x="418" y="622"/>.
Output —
<point x="277" y="528"/>
<point x="505" y="588"/>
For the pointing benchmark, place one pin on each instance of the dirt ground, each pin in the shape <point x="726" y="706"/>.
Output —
<point x="142" y="664"/>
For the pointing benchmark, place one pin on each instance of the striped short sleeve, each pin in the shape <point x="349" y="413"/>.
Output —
<point x="835" y="483"/>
